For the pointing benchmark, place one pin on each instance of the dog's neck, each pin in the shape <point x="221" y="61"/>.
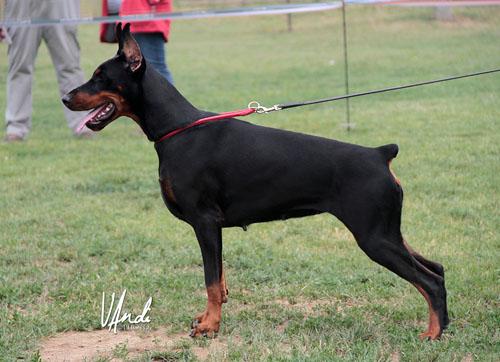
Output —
<point x="163" y="108"/>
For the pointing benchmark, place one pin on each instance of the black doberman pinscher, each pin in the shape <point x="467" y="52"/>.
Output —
<point x="233" y="173"/>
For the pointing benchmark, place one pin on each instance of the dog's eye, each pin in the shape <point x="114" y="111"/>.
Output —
<point x="100" y="78"/>
<point x="98" y="74"/>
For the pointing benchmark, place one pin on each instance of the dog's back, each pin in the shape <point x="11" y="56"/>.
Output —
<point x="253" y="173"/>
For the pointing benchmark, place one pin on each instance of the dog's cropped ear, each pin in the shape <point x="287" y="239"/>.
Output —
<point x="118" y="34"/>
<point x="130" y="49"/>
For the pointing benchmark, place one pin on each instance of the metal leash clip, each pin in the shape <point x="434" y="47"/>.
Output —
<point x="261" y="109"/>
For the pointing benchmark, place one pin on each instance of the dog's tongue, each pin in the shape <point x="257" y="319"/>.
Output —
<point x="88" y="117"/>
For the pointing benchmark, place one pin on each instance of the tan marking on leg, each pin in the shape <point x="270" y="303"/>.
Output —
<point x="434" y="330"/>
<point x="208" y="322"/>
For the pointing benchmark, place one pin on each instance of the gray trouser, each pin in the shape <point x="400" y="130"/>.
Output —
<point x="64" y="50"/>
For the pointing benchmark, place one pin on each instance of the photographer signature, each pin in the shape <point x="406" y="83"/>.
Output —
<point x="119" y="317"/>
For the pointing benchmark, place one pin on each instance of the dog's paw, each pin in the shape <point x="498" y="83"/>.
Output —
<point x="205" y="326"/>
<point x="430" y="336"/>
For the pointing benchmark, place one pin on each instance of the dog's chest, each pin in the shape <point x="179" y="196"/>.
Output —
<point x="169" y="198"/>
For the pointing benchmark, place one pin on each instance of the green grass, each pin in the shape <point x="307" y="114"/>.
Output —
<point x="81" y="217"/>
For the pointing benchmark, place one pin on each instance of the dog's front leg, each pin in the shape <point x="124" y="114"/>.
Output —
<point x="209" y="236"/>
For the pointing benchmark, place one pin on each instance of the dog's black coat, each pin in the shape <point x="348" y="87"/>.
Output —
<point x="241" y="174"/>
<point x="233" y="173"/>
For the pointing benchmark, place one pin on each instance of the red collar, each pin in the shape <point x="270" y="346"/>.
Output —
<point x="225" y="115"/>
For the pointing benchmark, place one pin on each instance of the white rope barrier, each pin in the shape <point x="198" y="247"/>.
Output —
<point x="202" y="14"/>
<point x="455" y="3"/>
<point x="244" y="11"/>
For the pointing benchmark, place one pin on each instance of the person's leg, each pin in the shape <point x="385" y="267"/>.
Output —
<point x="64" y="50"/>
<point x="154" y="49"/>
<point x="21" y="53"/>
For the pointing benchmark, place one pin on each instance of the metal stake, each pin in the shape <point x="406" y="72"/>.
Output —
<point x="346" y="70"/>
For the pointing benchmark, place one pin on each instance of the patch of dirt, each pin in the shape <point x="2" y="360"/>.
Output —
<point x="78" y="346"/>
<point x="308" y="307"/>
<point x="89" y="346"/>
<point x="216" y="347"/>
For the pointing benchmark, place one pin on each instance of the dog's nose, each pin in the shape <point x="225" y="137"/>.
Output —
<point x="66" y="99"/>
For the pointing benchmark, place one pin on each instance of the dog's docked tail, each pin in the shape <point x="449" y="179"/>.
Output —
<point x="388" y="152"/>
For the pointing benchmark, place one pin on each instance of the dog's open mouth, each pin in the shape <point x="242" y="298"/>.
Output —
<point x="98" y="118"/>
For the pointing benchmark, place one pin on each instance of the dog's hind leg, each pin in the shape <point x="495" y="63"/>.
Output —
<point x="373" y="214"/>
<point x="392" y="254"/>
<point x="433" y="267"/>
<point x="209" y="235"/>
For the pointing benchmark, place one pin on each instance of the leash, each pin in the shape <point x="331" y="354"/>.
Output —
<point x="256" y="107"/>
<point x="278" y="107"/>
